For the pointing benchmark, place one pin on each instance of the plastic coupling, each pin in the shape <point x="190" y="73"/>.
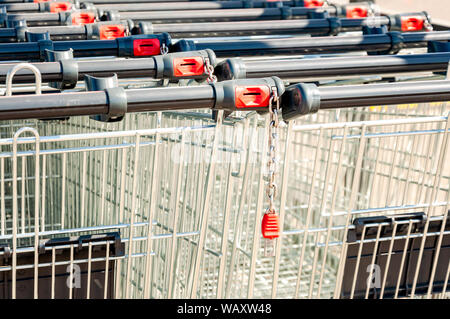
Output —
<point x="143" y="45"/>
<point x="410" y="22"/>
<point x="43" y="41"/>
<point x="117" y="97"/>
<point x="69" y="68"/>
<point x="77" y="17"/>
<point x="309" y="3"/>
<point x="55" y="7"/>
<point x="105" y="30"/>
<point x="20" y="27"/>
<point x="184" y="65"/>
<point x="247" y="94"/>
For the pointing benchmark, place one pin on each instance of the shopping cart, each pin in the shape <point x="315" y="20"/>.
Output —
<point x="175" y="211"/>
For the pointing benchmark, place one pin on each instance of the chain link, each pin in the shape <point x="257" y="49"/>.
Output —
<point x="210" y="70"/>
<point x="273" y="141"/>
<point x="427" y="25"/>
<point x="271" y="190"/>
<point x="164" y="49"/>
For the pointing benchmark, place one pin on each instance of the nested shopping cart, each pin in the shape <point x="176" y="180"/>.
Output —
<point x="169" y="205"/>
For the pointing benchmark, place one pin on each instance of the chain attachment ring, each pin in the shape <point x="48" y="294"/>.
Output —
<point x="210" y="70"/>
<point x="164" y="49"/>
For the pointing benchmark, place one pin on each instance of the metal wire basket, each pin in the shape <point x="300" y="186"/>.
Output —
<point x="169" y="205"/>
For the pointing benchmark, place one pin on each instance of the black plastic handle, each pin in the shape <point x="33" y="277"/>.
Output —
<point x="302" y="99"/>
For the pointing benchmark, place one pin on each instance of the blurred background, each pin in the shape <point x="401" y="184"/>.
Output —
<point x="439" y="10"/>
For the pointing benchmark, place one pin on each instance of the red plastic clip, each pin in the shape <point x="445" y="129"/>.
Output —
<point x="412" y="23"/>
<point x="357" y="12"/>
<point x="313" y="3"/>
<point x="81" y="18"/>
<point x="270" y="226"/>
<point x="60" y="6"/>
<point x="111" y="32"/>
<point x="188" y="66"/>
<point x="252" y="96"/>
<point x="38" y="1"/>
<point x="146" y="47"/>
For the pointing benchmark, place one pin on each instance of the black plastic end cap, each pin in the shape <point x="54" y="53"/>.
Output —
<point x="183" y="45"/>
<point x="299" y="100"/>
<point x="110" y="15"/>
<point x="230" y="69"/>
<point x="142" y="27"/>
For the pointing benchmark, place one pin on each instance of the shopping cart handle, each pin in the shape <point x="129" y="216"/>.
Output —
<point x="301" y="69"/>
<point x="113" y="101"/>
<point x="132" y="46"/>
<point x="302" y="99"/>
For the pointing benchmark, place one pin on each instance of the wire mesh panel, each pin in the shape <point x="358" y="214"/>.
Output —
<point x="186" y="197"/>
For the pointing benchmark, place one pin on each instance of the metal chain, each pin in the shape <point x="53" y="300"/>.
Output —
<point x="273" y="141"/>
<point x="210" y="70"/>
<point x="271" y="190"/>
<point x="427" y="25"/>
<point x="127" y="32"/>
<point x="164" y="49"/>
<point x="371" y="12"/>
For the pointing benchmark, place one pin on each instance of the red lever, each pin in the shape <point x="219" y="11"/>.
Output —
<point x="81" y="18"/>
<point x="188" y="66"/>
<point x="111" y="32"/>
<point x="357" y="12"/>
<point x="313" y="3"/>
<point x="415" y="23"/>
<point x="270" y="226"/>
<point x="252" y="96"/>
<point x="145" y="47"/>
<point x="60" y="6"/>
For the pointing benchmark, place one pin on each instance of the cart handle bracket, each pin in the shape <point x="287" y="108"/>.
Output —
<point x="116" y="96"/>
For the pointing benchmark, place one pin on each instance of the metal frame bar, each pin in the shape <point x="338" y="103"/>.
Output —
<point x="304" y="69"/>
<point x="390" y="42"/>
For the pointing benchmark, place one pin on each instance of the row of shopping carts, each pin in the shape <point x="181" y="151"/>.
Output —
<point x="222" y="149"/>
